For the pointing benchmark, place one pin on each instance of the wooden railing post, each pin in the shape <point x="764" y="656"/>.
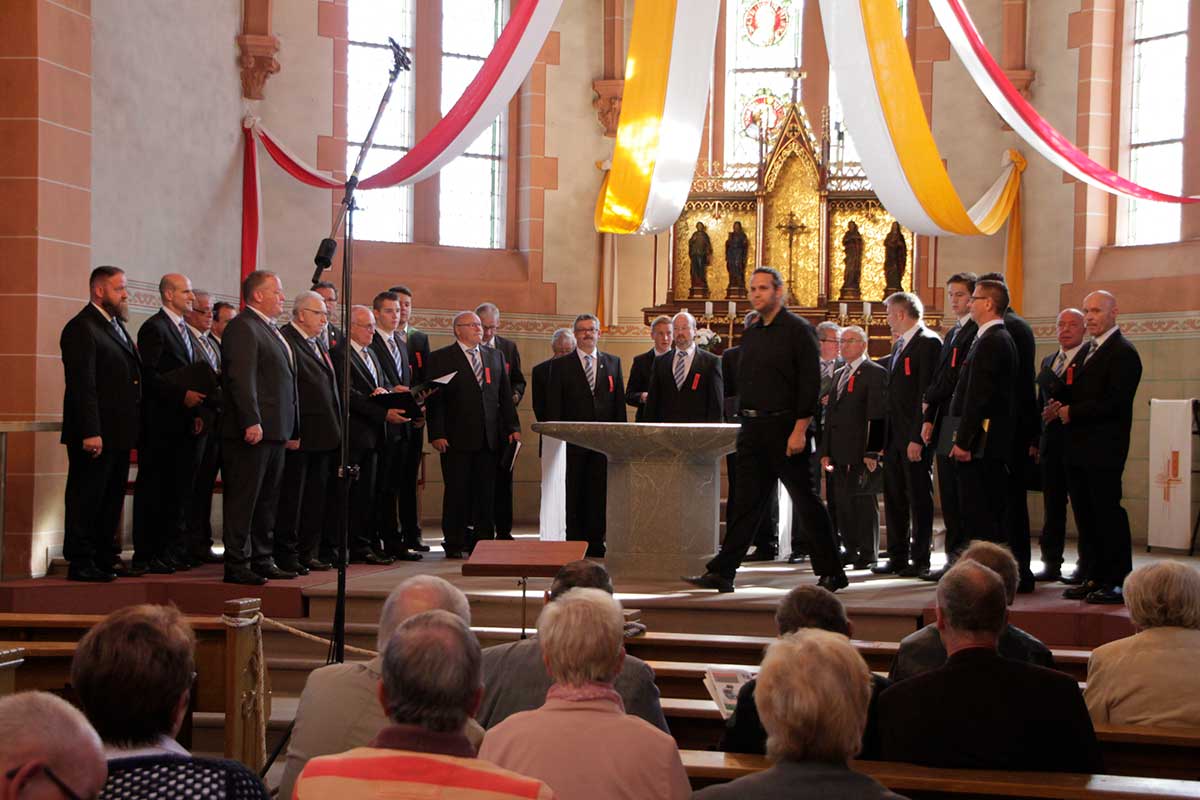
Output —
<point x="10" y="659"/>
<point x="247" y="700"/>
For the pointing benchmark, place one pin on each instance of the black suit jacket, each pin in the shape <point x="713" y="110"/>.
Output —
<point x="700" y="400"/>
<point x="394" y="375"/>
<point x="571" y="400"/>
<point x="1025" y="408"/>
<point x="854" y="422"/>
<point x="1051" y="387"/>
<point x="316" y="387"/>
<point x="512" y="363"/>
<point x="103" y="382"/>
<point x="258" y="383"/>
<point x="418" y="355"/>
<point x="163" y="351"/>
<point x="335" y="335"/>
<point x="1101" y="409"/>
<point x="639" y="381"/>
<point x="985" y="392"/>
<point x="471" y="417"/>
<point x="910" y="373"/>
<point x="729" y="370"/>
<point x="368" y="419"/>
<point x="539" y="378"/>
<point x="945" y="374"/>
<point x="983" y="711"/>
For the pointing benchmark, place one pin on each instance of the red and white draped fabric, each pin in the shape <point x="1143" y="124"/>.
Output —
<point x="484" y="99"/>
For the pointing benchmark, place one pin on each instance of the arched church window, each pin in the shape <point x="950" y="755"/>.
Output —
<point x="1156" y="116"/>
<point x="471" y="202"/>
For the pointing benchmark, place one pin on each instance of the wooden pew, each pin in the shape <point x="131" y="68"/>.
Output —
<point x="706" y="768"/>
<point x="11" y="658"/>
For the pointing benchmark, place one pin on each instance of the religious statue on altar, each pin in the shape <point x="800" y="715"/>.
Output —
<point x="852" y="248"/>
<point x="737" y="249"/>
<point x="700" y="252"/>
<point x="895" y="259"/>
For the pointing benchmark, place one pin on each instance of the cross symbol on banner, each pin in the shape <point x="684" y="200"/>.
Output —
<point x="1169" y="476"/>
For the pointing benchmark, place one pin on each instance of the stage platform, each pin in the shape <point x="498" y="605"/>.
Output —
<point x="881" y="608"/>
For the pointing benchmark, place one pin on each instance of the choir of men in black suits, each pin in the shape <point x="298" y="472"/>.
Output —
<point x="101" y="421"/>
<point x="638" y="387"/>
<point x="587" y="387"/>
<point x="1056" y="383"/>
<point x="472" y="420"/>
<point x="908" y="462"/>
<point x="685" y="383"/>
<point x="955" y="347"/>
<point x="261" y="417"/>
<point x="200" y="322"/>
<point x="489" y="316"/>
<point x="851" y="446"/>
<point x="1097" y="420"/>
<point x="300" y="530"/>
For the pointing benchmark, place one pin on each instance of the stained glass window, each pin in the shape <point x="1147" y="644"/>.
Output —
<point x="1156" y="117"/>
<point x="385" y="215"/>
<point x="762" y="49"/>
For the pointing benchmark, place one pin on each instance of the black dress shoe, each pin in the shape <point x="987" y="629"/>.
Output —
<point x="134" y="570"/>
<point x="504" y="537"/>
<point x="1047" y="575"/>
<point x="710" y="580"/>
<point x="864" y="565"/>
<point x="89" y="573"/>
<point x="273" y="572"/>
<point x="797" y="558"/>
<point x="154" y="566"/>
<point x="889" y="568"/>
<point x="1106" y="595"/>
<point x="243" y="576"/>
<point x="292" y="566"/>
<point x="452" y="553"/>
<point x="932" y="575"/>
<point x="179" y="563"/>
<point x="119" y="569"/>
<point x="1074" y="579"/>
<point x="1081" y="591"/>
<point x="1026" y="584"/>
<point x="417" y="546"/>
<point x="404" y="555"/>
<point x="207" y="557"/>
<point x="911" y="571"/>
<point x="317" y="565"/>
<point x="761" y="554"/>
<point x="833" y="582"/>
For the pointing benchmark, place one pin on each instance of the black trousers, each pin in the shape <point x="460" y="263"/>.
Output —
<point x="250" y="499"/>
<point x="983" y="490"/>
<point x="1104" y="539"/>
<point x="94" y="496"/>
<point x="761" y="461"/>
<point x="956" y="531"/>
<point x="1054" y="504"/>
<point x="767" y="535"/>
<point x="406" y="487"/>
<point x="470" y="479"/>
<point x="300" y="520"/>
<point x="200" y="534"/>
<point x="908" y="505"/>
<point x="857" y="512"/>
<point x="387" y="494"/>
<point x="162" y="495"/>
<point x="502" y="514"/>
<point x="587" y="497"/>
<point x="363" y="537"/>
<point x="1016" y="514"/>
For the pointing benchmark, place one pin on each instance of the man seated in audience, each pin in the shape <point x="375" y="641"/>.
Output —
<point x="133" y="673"/>
<point x="981" y="710"/>
<point x="922" y="651"/>
<point x="813" y="693"/>
<point x="339" y="707"/>
<point x="581" y="742"/>
<point x="431" y="686"/>
<point x="1152" y="677"/>
<point x="803" y="607"/>
<point x="515" y="677"/>
<point x="48" y="749"/>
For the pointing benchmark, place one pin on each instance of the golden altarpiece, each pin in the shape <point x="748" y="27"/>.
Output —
<point x="795" y="208"/>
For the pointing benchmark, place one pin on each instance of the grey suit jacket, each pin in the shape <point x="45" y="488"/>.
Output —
<point x="797" y="780"/>
<point x="515" y="679"/>
<point x="923" y="651"/>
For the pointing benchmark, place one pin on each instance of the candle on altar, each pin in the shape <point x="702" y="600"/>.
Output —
<point x="732" y="308"/>
<point x="708" y="308"/>
<point x="866" y="310"/>
<point x="843" y="309"/>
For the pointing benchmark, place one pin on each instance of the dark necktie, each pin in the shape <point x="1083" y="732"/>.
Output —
<point x="680" y="372"/>
<point x="845" y="379"/>
<point x="1060" y="363"/>
<point x="589" y="370"/>
<point x="896" y="348"/>
<point x="476" y="365"/>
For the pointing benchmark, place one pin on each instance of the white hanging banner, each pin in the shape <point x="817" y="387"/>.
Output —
<point x="1170" y="495"/>
<point x="553" y="515"/>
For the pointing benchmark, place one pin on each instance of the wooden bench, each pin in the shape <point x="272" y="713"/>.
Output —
<point x="224" y="662"/>
<point x="705" y="768"/>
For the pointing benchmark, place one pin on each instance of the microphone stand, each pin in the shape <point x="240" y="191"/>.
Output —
<point x="347" y="472"/>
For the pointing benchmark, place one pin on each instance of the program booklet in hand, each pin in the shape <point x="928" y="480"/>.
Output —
<point x="723" y="684"/>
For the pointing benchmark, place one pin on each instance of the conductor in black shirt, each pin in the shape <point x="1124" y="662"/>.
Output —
<point x="638" y="387"/>
<point x="779" y="382"/>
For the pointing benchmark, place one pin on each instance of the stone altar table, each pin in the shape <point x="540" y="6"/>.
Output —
<point x="664" y="492"/>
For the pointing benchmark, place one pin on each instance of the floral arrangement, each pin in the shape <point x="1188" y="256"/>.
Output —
<point x="707" y="338"/>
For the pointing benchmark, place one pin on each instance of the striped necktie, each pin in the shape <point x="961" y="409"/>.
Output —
<point x="206" y="350"/>
<point x="842" y="381"/>
<point x="366" y="357"/>
<point x="589" y="371"/>
<point x="680" y="371"/>
<point x="1060" y="363"/>
<point x="187" y="341"/>
<point x="476" y="365"/>
<point x="896" y="348"/>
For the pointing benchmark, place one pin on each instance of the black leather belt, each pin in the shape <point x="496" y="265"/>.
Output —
<point x="750" y="413"/>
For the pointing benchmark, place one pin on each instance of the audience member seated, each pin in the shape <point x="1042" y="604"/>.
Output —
<point x="339" y="707"/>
<point x="981" y="710"/>
<point x="1152" y="677"/>
<point x="48" y="749"/>
<point x="515" y="677"/>
<point x="802" y="607"/>
<point x="432" y="682"/>
<point x="813" y="693"/>
<point x="133" y="673"/>
<point x="922" y="651"/>
<point x="581" y="742"/>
